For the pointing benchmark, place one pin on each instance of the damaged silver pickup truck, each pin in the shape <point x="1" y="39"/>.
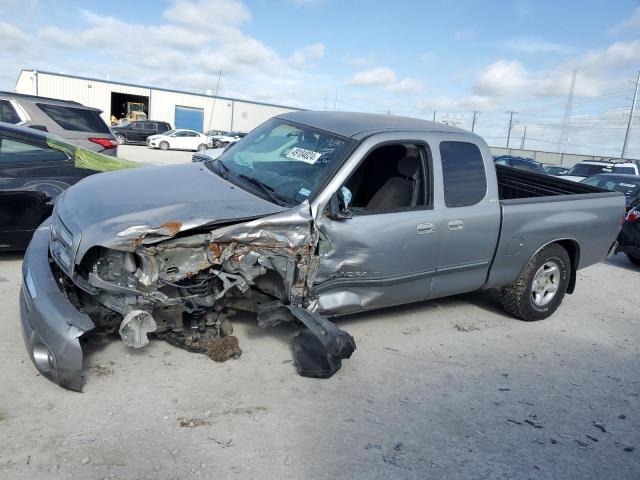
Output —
<point x="312" y="215"/>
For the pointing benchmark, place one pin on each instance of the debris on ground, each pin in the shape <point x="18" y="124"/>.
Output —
<point x="600" y="426"/>
<point x="85" y="460"/>
<point x="396" y="456"/>
<point x="221" y="349"/>
<point x="465" y="328"/>
<point x="590" y="437"/>
<point x="226" y="444"/>
<point x="101" y="370"/>
<point x="582" y="443"/>
<point x="192" y="422"/>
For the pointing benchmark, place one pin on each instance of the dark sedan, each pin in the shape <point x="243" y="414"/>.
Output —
<point x="35" y="167"/>
<point x="519" y="162"/>
<point x="618" y="182"/>
<point x="629" y="236"/>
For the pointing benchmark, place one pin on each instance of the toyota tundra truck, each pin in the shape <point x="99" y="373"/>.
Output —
<point x="311" y="216"/>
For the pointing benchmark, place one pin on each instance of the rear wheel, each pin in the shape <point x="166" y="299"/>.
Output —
<point x="633" y="259"/>
<point x="202" y="147"/>
<point x="539" y="290"/>
<point x="164" y="146"/>
<point x="121" y="139"/>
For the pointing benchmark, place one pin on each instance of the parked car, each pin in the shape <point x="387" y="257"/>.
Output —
<point x="207" y="155"/>
<point x="80" y="125"/>
<point x="555" y="170"/>
<point x="627" y="184"/>
<point x="629" y="236"/>
<point x="138" y="132"/>
<point x="35" y="168"/>
<point x="590" y="168"/>
<point x="221" y="141"/>
<point x="179" y="139"/>
<point x="301" y="221"/>
<point x="519" y="162"/>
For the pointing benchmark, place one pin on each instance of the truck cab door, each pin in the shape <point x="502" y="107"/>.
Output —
<point x="385" y="252"/>
<point x="471" y="215"/>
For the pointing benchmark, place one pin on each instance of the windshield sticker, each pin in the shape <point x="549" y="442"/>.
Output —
<point x="308" y="156"/>
<point x="305" y="192"/>
<point x="630" y="185"/>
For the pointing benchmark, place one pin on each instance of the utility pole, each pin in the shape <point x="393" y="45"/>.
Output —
<point x="511" y="112"/>
<point x="326" y="92"/>
<point x="567" y="113"/>
<point x="434" y="115"/>
<point x="214" y="100"/>
<point x="335" y="103"/>
<point x="633" y="110"/>
<point x="473" y="122"/>
<point x="524" y="137"/>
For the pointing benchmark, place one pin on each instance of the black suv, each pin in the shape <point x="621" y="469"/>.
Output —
<point x="138" y="131"/>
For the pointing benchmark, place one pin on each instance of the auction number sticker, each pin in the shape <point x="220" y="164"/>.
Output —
<point x="308" y="156"/>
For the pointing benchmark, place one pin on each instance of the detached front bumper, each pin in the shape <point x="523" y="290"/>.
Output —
<point x="51" y="325"/>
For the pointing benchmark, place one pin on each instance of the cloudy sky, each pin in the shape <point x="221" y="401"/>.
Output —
<point x="404" y="57"/>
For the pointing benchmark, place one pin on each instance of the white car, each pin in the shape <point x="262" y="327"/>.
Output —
<point x="179" y="139"/>
<point x="589" y="168"/>
<point x="223" y="139"/>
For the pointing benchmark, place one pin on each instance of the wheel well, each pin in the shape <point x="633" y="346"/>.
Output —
<point x="573" y="249"/>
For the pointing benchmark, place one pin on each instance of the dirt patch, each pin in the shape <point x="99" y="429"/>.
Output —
<point x="245" y="411"/>
<point x="3" y="416"/>
<point x="465" y="328"/>
<point x="99" y="370"/>
<point x="184" y="422"/>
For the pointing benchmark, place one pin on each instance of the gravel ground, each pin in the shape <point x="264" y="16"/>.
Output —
<point x="452" y="388"/>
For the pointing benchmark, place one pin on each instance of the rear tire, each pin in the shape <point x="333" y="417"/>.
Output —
<point x="633" y="259"/>
<point x="201" y="148"/>
<point x="539" y="290"/>
<point x="164" y="146"/>
<point x="121" y="139"/>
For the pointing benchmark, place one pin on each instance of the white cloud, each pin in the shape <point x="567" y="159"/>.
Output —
<point x="308" y="54"/>
<point x="407" y="85"/>
<point x="360" y="62"/>
<point x="12" y="37"/>
<point x="381" y="77"/>
<point x="536" y="45"/>
<point x="500" y="78"/>
<point x="630" y="24"/>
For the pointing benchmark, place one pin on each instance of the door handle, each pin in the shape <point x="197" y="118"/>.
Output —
<point x="456" y="225"/>
<point x="424" y="228"/>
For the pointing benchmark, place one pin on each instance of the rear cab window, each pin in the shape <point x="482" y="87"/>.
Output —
<point x="463" y="174"/>
<point x="75" y="119"/>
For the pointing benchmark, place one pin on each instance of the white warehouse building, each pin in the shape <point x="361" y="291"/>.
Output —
<point x="181" y="109"/>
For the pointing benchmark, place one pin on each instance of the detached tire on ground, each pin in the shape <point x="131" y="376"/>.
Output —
<point x="539" y="290"/>
<point x="164" y="146"/>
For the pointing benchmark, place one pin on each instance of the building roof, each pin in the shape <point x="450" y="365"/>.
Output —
<point x="91" y="79"/>
<point x="358" y="125"/>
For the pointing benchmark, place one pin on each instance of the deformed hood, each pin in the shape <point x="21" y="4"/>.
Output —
<point x="123" y="209"/>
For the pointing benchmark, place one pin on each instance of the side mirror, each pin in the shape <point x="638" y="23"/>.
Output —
<point x="337" y="207"/>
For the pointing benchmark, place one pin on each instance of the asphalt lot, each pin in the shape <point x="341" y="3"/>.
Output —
<point x="453" y="388"/>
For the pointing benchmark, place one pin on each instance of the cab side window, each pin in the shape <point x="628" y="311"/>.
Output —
<point x="463" y="175"/>
<point x="391" y="177"/>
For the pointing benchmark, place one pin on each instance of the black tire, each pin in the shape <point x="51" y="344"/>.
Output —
<point x="121" y="139"/>
<point x="201" y="148"/>
<point x="164" y="146"/>
<point x="517" y="298"/>
<point x="633" y="259"/>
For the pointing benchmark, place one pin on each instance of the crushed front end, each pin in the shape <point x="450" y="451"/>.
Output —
<point x="179" y="283"/>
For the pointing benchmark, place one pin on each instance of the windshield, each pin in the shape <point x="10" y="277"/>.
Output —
<point x="630" y="187"/>
<point x="290" y="161"/>
<point x="587" y="170"/>
<point x="169" y="132"/>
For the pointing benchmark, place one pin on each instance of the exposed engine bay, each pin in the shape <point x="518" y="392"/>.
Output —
<point x="185" y="286"/>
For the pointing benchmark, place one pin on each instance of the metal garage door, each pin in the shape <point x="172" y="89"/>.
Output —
<point x="189" y="118"/>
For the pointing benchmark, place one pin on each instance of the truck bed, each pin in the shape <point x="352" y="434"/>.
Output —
<point x="515" y="183"/>
<point x="541" y="209"/>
